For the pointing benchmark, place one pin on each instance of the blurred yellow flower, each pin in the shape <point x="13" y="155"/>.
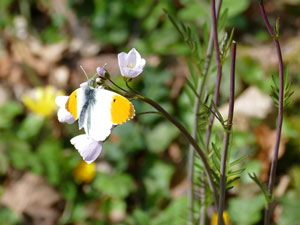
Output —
<point x="85" y="172"/>
<point x="41" y="100"/>
<point x="214" y="218"/>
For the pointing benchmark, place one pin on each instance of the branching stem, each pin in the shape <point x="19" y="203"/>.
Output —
<point x="274" y="36"/>
<point x="219" y="70"/>
<point x="200" y="92"/>
<point x="227" y="136"/>
<point x="190" y="139"/>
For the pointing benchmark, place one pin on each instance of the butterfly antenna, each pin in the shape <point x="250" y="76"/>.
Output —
<point x="84" y="72"/>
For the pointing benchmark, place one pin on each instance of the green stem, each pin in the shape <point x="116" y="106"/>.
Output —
<point x="227" y="137"/>
<point x="200" y="91"/>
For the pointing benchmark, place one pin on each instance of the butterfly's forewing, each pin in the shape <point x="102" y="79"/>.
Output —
<point x="121" y="109"/>
<point x="98" y="114"/>
<point x="97" y="123"/>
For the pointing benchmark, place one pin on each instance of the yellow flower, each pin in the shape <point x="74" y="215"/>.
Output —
<point x="85" y="172"/>
<point x="214" y="218"/>
<point x="41" y="100"/>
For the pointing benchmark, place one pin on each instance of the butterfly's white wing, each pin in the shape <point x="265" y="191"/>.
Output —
<point x="97" y="122"/>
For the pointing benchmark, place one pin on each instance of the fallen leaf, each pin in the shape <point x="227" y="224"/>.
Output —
<point x="265" y="138"/>
<point x="180" y="189"/>
<point x="31" y="195"/>
<point x="252" y="103"/>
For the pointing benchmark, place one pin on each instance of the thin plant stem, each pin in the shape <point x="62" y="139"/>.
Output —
<point x="227" y="137"/>
<point x="190" y="139"/>
<point x="200" y="92"/>
<point x="145" y="113"/>
<point x="271" y="182"/>
<point x="117" y="85"/>
<point x="219" y="70"/>
<point x="202" y="218"/>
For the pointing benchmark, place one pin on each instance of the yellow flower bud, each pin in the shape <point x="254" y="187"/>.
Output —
<point x="85" y="172"/>
<point x="214" y="218"/>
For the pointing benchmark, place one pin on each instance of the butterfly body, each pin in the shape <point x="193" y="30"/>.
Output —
<point x="99" y="110"/>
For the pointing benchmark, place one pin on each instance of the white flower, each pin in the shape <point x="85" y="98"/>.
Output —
<point x="131" y="64"/>
<point x="88" y="148"/>
<point x="63" y="115"/>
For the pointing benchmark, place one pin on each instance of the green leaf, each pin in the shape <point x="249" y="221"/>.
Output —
<point x="277" y="27"/>
<point x="140" y="217"/>
<point x="4" y="163"/>
<point x="115" y="185"/>
<point x="8" y="217"/>
<point x="239" y="160"/>
<point x="157" y="178"/>
<point x="174" y="22"/>
<point x="235" y="7"/>
<point x="252" y="206"/>
<point x="159" y="137"/>
<point x="175" y="214"/>
<point x="236" y="172"/>
<point x="78" y="212"/>
<point x="290" y="213"/>
<point x="51" y="156"/>
<point x="19" y="153"/>
<point x="222" y="19"/>
<point x="216" y="163"/>
<point x="261" y="186"/>
<point x="206" y="35"/>
<point x="130" y="141"/>
<point x="216" y="151"/>
<point x="8" y="112"/>
<point x="252" y="166"/>
<point x="68" y="190"/>
<point x="191" y="86"/>
<point x="193" y="74"/>
<point x="229" y="182"/>
<point x="30" y="126"/>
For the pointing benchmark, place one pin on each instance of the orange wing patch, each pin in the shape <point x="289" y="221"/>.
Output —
<point x="121" y="110"/>
<point x="71" y="104"/>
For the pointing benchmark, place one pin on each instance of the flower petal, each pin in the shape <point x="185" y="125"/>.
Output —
<point x="131" y="64"/>
<point x="65" y="116"/>
<point x="142" y="63"/>
<point x="61" y="101"/>
<point x="133" y="57"/>
<point x="122" y="61"/>
<point x="132" y="73"/>
<point x="88" y="148"/>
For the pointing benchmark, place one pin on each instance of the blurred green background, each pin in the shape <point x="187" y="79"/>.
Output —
<point x="140" y="177"/>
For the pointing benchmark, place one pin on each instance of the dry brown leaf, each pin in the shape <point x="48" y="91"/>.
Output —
<point x="180" y="71"/>
<point x="91" y="63"/>
<point x="265" y="138"/>
<point x="5" y="65"/>
<point x="59" y="76"/>
<point x="252" y="103"/>
<point x="32" y="195"/>
<point x="175" y="152"/>
<point x="40" y="57"/>
<point x="282" y="186"/>
<point x="267" y="57"/>
<point x="180" y="189"/>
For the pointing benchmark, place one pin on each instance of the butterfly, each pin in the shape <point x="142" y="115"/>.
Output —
<point x="98" y="110"/>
